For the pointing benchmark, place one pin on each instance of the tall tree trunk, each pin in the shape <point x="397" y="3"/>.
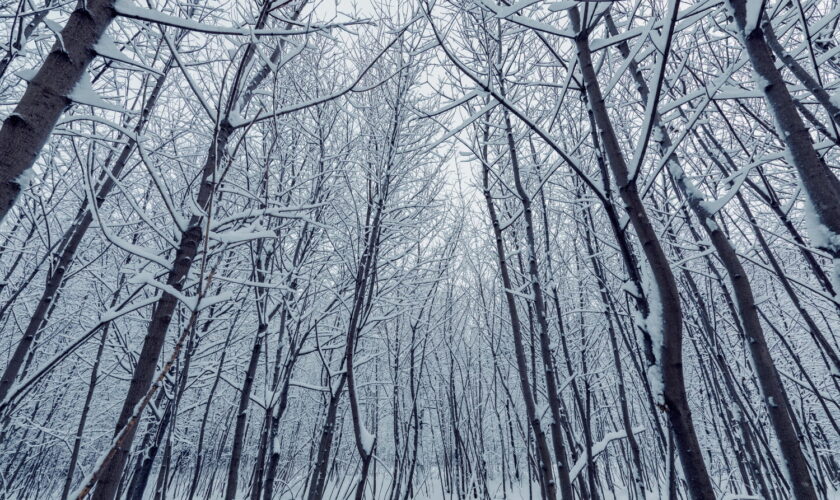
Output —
<point x="668" y="360"/>
<point x="199" y="457"/>
<point x="318" y="480"/>
<point x="552" y="393"/>
<point x="70" y="243"/>
<point x="819" y="182"/>
<point x="77" y="441"/>
<point x="545" y="468"/>
<point x="770" y="383"/>
<point x="593" y="249"/>
<point x="161" y="318"/>
<point x="48" y="93"/>
<point x="242" y="415"/>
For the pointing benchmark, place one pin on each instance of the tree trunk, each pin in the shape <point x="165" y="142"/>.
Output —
<point x="242" y="415"/>
<point x="70" y="244"/>
<point x="769" y="381"/>
<point x="818" y="181"/>
<point x="545" y="468"/>
<point x="77" y="441"/>
<point x="542" y="320"/>
<point x="48" y="93"/>
<point x="161" y="318"/>
<point x="669" y="357"/>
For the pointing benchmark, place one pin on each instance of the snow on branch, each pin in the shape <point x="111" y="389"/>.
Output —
<point x="127" y="8"/>
<point x="598" y="448"/>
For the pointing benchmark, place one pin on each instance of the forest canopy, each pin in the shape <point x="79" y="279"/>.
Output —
<point x="433" y="249"/>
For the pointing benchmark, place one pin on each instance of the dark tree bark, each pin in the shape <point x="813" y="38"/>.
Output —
<point x="552" y="395"/>
<point x="70" y="243"/>
<point x="242" y="415"/>
<point x="161" y="318"/>
<point x="546" y="473"/>
<point x="770" y="383"/>
<point x="47" y="95"/>
<point x="820" y="183"/>
<point x="669" y="357"/>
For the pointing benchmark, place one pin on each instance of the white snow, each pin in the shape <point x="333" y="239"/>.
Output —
<point x="106" y="47"/>
<point x="653" y="325"/>
<point x="558" y="6"/>
<point x="24" y="180"/>
<point x="28" y="74"/>
<point x="753" y="15"/>
<point x="366" y="438"/>
<point x="598" y="448"/>
<point x="83" y="93"/>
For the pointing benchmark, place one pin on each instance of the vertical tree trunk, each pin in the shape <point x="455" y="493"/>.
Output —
<point x="136" y="488"/>
<point x="542" y="320"/>
<point x="819" y="182"/>
<point x="48" y="93"/>
<point x="70" y="243"/>
<point x="161" y="318"/>
<point x="319" y="475"/>
<point x="199" y="456"/>
<point x="77" y="441"/>
<point x="771" y="385"/>
<point x="669" y="357"/>
<point x="593" y="249"/>
<point x="546" y="473"/>
<point x="185" y="254"/>
<point x="813" y="85"/>
<point x="775" y="398"/>
<point x="242" y="415"/>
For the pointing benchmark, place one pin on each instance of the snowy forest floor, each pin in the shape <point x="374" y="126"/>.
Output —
<point x="431" y="488"/>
